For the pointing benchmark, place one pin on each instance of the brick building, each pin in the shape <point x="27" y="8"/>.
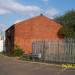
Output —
<point x="23" y="33"/>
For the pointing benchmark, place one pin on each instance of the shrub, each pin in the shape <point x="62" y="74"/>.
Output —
<point x="26" y="57"/>
<point x="18" y="52"/>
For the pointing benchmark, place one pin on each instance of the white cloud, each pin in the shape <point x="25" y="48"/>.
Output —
<point x="45" y="0"/>
<point x="7" y="6"/>
<point x="3" y="27"/>
<point x="51" y="13"/>
<point x="4" y="11"/>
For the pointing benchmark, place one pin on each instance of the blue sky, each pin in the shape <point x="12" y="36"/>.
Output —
<point x="13" y="11"/>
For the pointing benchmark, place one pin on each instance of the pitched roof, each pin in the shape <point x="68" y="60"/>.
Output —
<point x="39" y="20"/>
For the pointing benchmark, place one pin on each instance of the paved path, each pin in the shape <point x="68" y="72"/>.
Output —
<point x="11" y="66"/>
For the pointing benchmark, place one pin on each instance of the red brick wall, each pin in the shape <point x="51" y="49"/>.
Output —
<point x="38" y="28"/>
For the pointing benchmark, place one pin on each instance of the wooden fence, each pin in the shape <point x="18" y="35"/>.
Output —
<point x="61" y="51"/>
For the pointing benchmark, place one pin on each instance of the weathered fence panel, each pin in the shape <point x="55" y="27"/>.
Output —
<point x="62" y="51"/>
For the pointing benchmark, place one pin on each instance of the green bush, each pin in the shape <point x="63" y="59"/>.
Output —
<point x="26" y="57"/>
<point x="18" y="52"/>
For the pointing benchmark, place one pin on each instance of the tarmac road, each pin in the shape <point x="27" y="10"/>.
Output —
<point x="11" y="66"/>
